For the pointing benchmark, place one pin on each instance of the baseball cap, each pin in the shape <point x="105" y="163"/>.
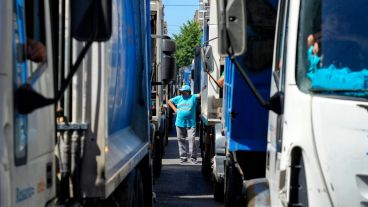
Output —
<point x="185" y="88"/>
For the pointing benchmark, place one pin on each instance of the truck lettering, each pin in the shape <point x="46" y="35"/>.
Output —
<point x="24" y="194"/>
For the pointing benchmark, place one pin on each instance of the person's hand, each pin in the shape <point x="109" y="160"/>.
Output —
<point x="221" y="81"/>
<point x="313" y="38"/>
<point x="36" y="51"/>
<point x="315" y="48"/>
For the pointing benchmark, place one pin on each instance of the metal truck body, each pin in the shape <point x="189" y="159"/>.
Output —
<point x="100" y="132"/>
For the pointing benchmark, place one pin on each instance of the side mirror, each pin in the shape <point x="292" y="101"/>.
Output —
<point x="168" y="65"/>
<point x="168" y="46"/>
<point x="27" y="100"/>
<point x="91" y="20"/>
<point x="207" y="63"/>
<point x="232" y="23"/>
<point x="276" y="104"/>
<point x="168" y="68"/>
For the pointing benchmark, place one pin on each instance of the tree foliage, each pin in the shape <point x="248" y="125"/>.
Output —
<point x="186" y="41"/>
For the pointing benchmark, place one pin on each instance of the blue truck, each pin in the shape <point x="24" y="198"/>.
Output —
<point x="235" y="146"/>
<point x="75" y="108"/>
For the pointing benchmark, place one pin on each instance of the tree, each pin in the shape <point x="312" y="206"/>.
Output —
<point x="188" y="38"/>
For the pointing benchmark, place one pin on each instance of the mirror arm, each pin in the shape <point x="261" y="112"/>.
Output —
<point x="209" y="74"/>
<point x="206" y="43"/>
<point x="276" y="79"/>
<point x="73" y="70"/>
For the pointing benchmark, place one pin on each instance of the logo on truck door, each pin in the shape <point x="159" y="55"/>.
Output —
<point x="24" y="194"/>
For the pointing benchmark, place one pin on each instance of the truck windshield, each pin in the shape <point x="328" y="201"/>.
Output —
<point x="332" y="54"/>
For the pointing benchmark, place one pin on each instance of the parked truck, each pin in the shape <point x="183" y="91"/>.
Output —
<point x="234" y="125"/>
<point x="316" y="154"/>
<point x="75" y="103"/>
<point x="211" y="95"/>
<point x="163" y="62"/>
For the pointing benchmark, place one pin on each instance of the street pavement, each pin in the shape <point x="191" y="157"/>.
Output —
<point x="182" y="184"/>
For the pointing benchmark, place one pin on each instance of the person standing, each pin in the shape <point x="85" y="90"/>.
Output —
<point x="185" y="107"/>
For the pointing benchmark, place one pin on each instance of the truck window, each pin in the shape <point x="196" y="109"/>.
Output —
<point x="333" y="48"/>
<point x="35" y="30"/>
<point x="281" y="45"/>
<point x="261" y="18"/>
<point x="29" y="42"/>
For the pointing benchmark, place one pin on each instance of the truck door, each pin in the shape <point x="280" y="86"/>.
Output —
<point x="275" y="129"/>
<point x="32" y="143"/>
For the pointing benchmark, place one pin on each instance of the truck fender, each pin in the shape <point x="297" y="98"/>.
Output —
<point x="220" y="140"/>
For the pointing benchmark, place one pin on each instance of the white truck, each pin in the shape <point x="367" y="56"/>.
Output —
<point x="211" y="92"/>
<point x="75" y="103"/>
<point x="317" y="136"/>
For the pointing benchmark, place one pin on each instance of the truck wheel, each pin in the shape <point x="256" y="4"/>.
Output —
<point x="233" y="186"/>
<point x="166" y="131"/>
<point x="157" y="156"/>
<point x="206" y="161"/>
<point x="130" y="192"/>
<point x="145" y="168"/>
<point x="218" y="190"/>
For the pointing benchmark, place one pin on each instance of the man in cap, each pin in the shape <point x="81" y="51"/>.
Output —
<point x="185" y="108"/>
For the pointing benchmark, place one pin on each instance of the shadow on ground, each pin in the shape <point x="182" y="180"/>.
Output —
<point x="182" y="185"/>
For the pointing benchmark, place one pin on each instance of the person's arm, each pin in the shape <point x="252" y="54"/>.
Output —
<point x="172" y="106"/>
<point x="221" y="81"/>
<point x="36" y="51"/>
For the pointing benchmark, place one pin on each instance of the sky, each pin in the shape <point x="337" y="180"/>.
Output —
<point x="178" y="12"/>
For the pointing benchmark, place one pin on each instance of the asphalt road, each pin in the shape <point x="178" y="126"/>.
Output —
<point x="182" y="185"/>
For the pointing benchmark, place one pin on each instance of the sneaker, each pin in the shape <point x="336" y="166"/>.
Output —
<point x="194" y="161"/>
<point x="182" y="160"/>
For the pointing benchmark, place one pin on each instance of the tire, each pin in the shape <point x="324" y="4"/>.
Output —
<point x="233" y="186"/>
<point x="130" y="192"/>
<point x="206" y="153"/>
<point x="218" y="190"/>
<point x="206" y="162"/>
<point x="157" y="156"/>
<point x="167" y="126"/>
<point x="145" y="168"/>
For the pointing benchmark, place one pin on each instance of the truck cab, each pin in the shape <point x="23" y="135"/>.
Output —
<point x="320" y="67"/>
<point x="317" y="106"/>
<point x="27" y="141"/>
<point x="74" y="112"/>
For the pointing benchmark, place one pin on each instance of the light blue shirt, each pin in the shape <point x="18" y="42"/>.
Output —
<point x="186" y="113"/>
